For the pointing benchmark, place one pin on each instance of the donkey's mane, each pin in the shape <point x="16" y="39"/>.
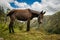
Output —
<point x="34" y="11"/>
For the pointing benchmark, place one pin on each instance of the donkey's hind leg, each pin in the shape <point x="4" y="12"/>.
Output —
<point x="11" y="25"/>
<point x="12" y="29"/>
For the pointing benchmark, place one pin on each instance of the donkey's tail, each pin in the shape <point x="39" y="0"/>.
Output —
<point x="10" y="13"/>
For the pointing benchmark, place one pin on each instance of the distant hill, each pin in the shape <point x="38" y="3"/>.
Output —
<point x="52" y="23"/>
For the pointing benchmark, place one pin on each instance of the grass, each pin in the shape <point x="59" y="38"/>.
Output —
<point x="31" y="35"/>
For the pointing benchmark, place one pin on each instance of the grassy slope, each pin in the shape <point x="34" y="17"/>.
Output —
<point x="31" y="35"/>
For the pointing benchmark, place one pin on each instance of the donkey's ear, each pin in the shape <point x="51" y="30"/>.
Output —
<point x="41" y="12"/>
<point x="44" y="12"/>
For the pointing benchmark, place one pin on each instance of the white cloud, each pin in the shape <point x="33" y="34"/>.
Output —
<point x="10" y="0"/>
<point x="36" y="6"/>
<point x="5" y="4"/>
<point x="50" y="6"/>
<point x="22" y="4"/>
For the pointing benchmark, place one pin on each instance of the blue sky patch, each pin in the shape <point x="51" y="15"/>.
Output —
<point x="13" y="5"/>
<point x="29" y="2"/>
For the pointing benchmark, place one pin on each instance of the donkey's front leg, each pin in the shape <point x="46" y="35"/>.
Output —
<point x="28" y="25"/>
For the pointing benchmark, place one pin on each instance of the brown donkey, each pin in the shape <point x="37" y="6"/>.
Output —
<point x="24" y="15"/>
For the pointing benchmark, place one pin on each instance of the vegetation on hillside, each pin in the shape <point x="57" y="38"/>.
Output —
<point x="52" y="23"/>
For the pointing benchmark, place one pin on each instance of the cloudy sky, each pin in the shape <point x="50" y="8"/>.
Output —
<point x="50" y="6"/>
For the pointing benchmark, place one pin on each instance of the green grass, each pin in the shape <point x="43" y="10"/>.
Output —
<point x="31" y="35"/>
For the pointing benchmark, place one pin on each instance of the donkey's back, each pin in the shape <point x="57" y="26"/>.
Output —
<point x="18" y="11"/>
<point x="22" y="14"/>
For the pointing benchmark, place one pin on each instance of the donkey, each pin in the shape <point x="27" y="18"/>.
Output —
<point x="24" y="15"/>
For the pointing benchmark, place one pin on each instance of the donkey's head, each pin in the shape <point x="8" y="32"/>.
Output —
<point x="40" y="17"/>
